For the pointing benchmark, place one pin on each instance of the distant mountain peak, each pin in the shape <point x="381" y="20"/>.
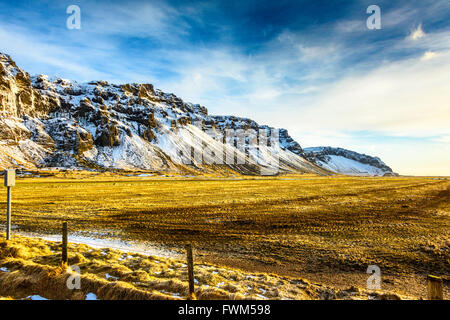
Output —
<point x="345" y="161"/>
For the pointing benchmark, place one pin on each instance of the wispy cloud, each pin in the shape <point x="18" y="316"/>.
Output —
<point x="429" y="55"/>
<point x="409" y="97"/>
<point x="417" y="33"/>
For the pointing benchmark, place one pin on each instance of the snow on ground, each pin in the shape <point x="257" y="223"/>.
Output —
<point x="91" y="296"/>
<point x="108" y="276"/>
<point x="94" y="241"/>
<point x="36" y="297"/>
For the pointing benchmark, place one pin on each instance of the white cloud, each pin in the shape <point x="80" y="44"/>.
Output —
<point x="351" y="26"/>
<point x="138" y="19"/>
<point x="417" y="33"/>
<point x="429" y="55"/>
<point x="410" y="98"/>
<point x="317" y="52"/>
<point x="24" y="47"/>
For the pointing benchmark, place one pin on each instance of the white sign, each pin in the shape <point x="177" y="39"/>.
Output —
<point x="10" y="178"/>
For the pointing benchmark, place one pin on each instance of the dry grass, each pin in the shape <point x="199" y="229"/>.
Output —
<point x="324" y="228"/>
<point x="31" y="266"/>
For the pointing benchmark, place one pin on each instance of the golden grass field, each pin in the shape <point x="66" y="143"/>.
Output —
<point x="325" y="229"/>
<point x="30" y="266"/>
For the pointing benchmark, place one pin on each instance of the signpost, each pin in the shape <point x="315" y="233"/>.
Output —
<point x="10" y="181"/>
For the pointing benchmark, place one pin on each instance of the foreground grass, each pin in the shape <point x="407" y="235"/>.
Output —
<point x="30" y="267"/>
<point x="324" y="228"/>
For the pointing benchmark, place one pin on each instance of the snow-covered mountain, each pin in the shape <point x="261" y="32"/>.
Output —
<point x="53" y="122"/>
<point x="347" y="162"/>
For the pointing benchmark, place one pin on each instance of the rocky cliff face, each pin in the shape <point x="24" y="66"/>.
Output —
<point x="347" y="162"/>
<point x="53" y="122"/>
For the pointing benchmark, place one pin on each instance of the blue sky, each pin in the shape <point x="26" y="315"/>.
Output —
<point x="312" y="67"/>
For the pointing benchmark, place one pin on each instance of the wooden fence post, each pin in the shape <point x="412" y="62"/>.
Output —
<point x="435" y="290"/>
<point x="64" y="242"/>
<point x="190" y="264"/>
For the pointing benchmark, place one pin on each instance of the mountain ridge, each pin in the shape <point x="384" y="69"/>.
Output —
<point x="53" y="122"/>
<point x="355" y="163"/>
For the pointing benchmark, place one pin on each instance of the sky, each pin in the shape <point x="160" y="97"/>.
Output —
<point x="312" y="67"/>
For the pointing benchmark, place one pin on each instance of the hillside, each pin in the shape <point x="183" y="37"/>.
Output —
<point x="54" y="122"/>
<point x="347" y="162"/>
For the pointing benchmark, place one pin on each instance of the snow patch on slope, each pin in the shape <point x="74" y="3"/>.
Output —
<point x="350" y="167"/>
<point x="347" y="162"/>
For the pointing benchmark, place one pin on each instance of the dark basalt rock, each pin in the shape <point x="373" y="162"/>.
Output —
<point x="108" y="136"/>
<point x="69" y="137"/>
<point x="149" y="135"/>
